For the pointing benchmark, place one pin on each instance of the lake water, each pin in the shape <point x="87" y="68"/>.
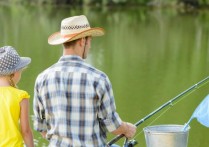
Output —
<point x="150" y="55"/>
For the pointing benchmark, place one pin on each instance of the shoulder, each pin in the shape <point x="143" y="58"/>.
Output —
<point x="92" y="70"/>
<point x="99" y="76"/>
<point x="21" y="94"/>
<point x="44" y="73"/>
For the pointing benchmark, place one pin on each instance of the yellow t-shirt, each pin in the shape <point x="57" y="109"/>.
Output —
<point x="10" y="99"/>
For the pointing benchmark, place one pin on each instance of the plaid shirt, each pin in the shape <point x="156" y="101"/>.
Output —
<point x="74" y="104"/>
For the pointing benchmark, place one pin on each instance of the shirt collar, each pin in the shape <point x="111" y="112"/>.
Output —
<point x="70" y="58"/>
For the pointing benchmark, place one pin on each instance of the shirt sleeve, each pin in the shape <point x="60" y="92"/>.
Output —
<point x="39" y="112"/>
<point x="23" y="95"/>
<point x="107" y="111"/>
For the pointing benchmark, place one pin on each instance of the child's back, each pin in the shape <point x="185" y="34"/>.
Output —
<point x="14" y="103"/>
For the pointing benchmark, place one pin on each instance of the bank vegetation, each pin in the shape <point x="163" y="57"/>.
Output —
<point x="112" y="3"/>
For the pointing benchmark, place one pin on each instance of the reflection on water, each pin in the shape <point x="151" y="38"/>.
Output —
<point x="150" y="55"/>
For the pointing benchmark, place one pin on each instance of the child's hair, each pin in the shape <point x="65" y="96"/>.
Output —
<point x="11" y="82"/>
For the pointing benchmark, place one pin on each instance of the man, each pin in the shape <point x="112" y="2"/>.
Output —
<point x="73" y="101"/>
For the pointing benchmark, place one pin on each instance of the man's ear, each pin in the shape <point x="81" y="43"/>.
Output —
<point x="82" y="41"/>
<point x="79" y="42"/>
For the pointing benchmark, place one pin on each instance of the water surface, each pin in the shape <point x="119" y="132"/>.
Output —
<point x="150" y="55"/>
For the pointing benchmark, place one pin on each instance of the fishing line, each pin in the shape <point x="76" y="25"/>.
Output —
<point x="171" y="105"/>
<point x="152" y="122"/>
<point x="161" y="114"/>
<point x="182" y="95"/>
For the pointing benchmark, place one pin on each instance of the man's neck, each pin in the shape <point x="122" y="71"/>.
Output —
<point x="72" y="51"/>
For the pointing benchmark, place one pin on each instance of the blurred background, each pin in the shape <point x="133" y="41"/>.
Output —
<point x="152" y="51"/>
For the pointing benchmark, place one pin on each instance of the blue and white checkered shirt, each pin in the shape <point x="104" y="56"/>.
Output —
<point x="74" y="104"/>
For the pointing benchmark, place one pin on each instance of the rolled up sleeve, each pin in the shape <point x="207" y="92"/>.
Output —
<point x="112" y="122"/>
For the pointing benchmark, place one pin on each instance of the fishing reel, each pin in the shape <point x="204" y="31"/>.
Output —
<point x="130" y="143"/>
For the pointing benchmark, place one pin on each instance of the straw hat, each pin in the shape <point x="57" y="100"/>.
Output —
<point x="73" y="28"/>
<point x="10" y="61"/>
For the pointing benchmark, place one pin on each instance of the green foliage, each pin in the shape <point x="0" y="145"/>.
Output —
<point x="204" y="2"/>
<point x="104" y="2"/>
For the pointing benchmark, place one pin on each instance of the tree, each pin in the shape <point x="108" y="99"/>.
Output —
<point x="193" y="3"/>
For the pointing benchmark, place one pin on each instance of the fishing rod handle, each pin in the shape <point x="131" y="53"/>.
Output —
<point x="118" y="137"/>
<point x="115" y="139"/>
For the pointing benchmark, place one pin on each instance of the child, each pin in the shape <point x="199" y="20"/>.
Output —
<point x="14" y="103"/>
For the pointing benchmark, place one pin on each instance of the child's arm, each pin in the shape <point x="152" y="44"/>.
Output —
<point x="24" y="123"/>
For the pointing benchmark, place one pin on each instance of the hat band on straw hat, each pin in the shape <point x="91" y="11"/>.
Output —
<point x="65" y="27"/>
<point x="73" y="29"/>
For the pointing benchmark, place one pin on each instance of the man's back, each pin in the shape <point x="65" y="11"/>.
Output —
<point x="72" y="93"/>
<point x="73" y="101"/>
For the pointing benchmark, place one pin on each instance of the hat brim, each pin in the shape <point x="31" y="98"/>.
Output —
<point x="24" y="61"/>
<point x="57" y="38"/>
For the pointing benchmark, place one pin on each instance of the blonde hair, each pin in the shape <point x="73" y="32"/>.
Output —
<point x="11" y="82"/>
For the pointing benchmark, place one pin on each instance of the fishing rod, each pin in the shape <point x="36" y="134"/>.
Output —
<point x="187" y="91"/>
